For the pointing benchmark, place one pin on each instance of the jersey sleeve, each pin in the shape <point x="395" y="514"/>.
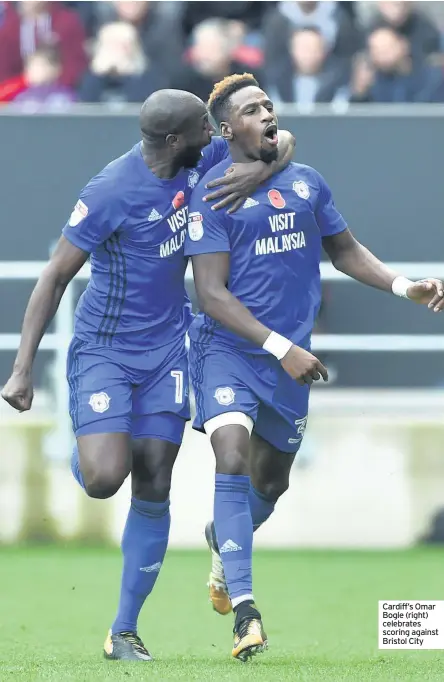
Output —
<point x="97" y="214"/>
<point x="207" y="229"/>
<point x="328" y="218"/>
<point x="214" y="153"/>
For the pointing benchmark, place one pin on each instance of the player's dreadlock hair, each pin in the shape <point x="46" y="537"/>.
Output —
<point x="218" y="103"/>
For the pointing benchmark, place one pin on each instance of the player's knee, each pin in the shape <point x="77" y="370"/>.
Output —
<point x="102" y="485"/>
<point x="233" y="462"/>
<point x="272" y="489"/>
<point x="154" y="489"/>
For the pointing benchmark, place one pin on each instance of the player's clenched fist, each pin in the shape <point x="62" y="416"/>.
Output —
<point x="19" y="392"/>
<point x="303" y="366"/>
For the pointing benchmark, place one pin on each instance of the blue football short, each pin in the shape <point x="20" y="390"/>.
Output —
<point x="228" y="380"/>
<point x="141" y="393"/>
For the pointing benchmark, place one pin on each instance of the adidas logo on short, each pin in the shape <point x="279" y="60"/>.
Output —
<point x="248" y="203"/>
<point x="154" y="215"/>
<point x="229" y="546"/>
<point x="154" y="568"/>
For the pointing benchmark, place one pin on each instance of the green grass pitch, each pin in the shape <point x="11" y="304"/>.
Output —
<point x="319" y="610"/>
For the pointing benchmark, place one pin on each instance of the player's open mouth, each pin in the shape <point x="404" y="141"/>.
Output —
<point x="270" y="134"/>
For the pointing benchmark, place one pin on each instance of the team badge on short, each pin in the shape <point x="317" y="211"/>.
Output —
<point x="193" y="179"/>
<point x="276" y="198"/>
<point x="79" y="213"/>
<point x="99" y="402"/>
<point x="225" y="396"/>
<point x="178" y="200"/>
<point x="195" y="226"/>
<point x="301" y="188"/>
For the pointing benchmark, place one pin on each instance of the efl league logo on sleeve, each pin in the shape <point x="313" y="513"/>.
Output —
<point x="195" y="226"/>
<point x="79" y="213"/>
<point x="276" y="198"/>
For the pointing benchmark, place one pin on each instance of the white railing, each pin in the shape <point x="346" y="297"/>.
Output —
<point x="64" y="319"/>
<point x="58" y="341"/>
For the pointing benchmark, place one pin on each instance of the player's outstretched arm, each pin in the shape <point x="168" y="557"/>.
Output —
<point x="65" y="262"/>
<point x="353" y="259"/>
<point x="211" y="272"/>
<point x="242" y="179"/>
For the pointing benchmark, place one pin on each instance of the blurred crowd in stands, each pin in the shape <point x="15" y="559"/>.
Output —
<point x="53" y="54"/>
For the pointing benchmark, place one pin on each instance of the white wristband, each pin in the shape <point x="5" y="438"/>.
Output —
<point x="277" y="345"/>
<point x="400" y="286"/>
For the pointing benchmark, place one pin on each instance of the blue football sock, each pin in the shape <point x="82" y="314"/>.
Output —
<point x="75" y="467"/>
<point x="234" y="531"/>
<point x="144" y="544"/>
<point x="261" y="507"/>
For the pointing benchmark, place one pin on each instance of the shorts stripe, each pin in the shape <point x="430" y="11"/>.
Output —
<point x="198" y="376"/>
<point x="73" y="382"/>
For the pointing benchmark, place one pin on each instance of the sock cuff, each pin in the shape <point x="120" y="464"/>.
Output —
<point x="152" y="509"/>
<point x="261" y="496"/>
<point x="232" y="483"/>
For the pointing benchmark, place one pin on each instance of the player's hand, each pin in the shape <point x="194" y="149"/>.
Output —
<point x="429" y="292"/>
<point x="303" y="366"/>
<point x="240" y="180"/>
<point x="19" y="392"/>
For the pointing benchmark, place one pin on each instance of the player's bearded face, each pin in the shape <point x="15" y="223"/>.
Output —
<point x="194" y="141"/>
<point x="190" y="156"/>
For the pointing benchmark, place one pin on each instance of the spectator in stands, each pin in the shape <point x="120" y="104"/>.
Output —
<point x="10" y="58"/>
<point x="245" y="19"/>
<point x="313" y="76"/>
<point x="249" y="13"/>
<point x="409" y="21"/>
<point x="335" y="25"/>
<point x="393" y="74"/>
<point x="37" y="24"/>
<point x="160" y="32"/>
<point x="210" y="58"/>
<point x="119" y="71"/>
<point x="44" y="91"/>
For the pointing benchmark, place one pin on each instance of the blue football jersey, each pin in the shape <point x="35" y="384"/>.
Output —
<point x="134" y="225"/>
<point x="274" y="242"/>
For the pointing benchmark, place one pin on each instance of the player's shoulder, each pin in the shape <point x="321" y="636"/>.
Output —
<point x="304" y="171"/>
<point x="116" y="178"/>
<point x="218" y="145"/>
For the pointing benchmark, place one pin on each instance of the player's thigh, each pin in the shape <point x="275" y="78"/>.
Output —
<point x="153" y="463"/>
<point x="160" y="411"/>
<point x="100" y="406"/>
<point x="223" y="382"/>
<point x="269" y="467"/>
<point x="226" y="403"/>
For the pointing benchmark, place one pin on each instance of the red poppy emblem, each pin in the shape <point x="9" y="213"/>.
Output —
<point x="276" y="198"/>
<point x="178" y="200"/>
